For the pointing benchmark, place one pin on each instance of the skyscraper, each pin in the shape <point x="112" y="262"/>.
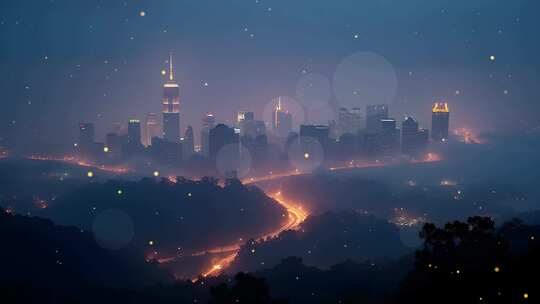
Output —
<point x="281" y="120"/>
<point x="188" y="144"/>
<point x="151" y="128"/>
<point x="221" y="136"/>
<point x="134" y="132"/>
<point x="349" y="121"/>
<point x="133" y="144"/>
<point x="389" y="137"/>
<point x="374" y="115"/>
<point x="440" y="121"/>
<point x="208" y="123"/>
<point x="171" y="108"/>
<point x="413" y="139"/>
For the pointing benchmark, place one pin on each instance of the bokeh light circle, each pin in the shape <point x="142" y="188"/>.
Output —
<point x="287" y="104"/>
<point x="364" y="78"/>
<point x="306" y="154"/>
<point x="233" y="160"/>
<point x="113" y="229"/>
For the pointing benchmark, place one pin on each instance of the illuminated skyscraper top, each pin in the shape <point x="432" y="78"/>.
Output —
<point x="440" y="121"/>
<point x="440" y="107"/>
<point x="171" y="107"/>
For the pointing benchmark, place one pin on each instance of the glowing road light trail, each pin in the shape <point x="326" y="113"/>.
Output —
<point x="296" y="215"/>
<point x="75" y="161"/>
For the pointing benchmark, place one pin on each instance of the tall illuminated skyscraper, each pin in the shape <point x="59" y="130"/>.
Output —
<point x="440" y="121"/>
<point x="281" y="120"/>
<point x="171" y="108"/>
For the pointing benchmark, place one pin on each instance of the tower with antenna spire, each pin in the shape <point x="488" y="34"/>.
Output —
<point x="281" y="120"/>
<point x="171" y="107"/>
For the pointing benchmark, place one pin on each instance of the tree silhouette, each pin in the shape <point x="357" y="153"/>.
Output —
<point x="247" y="289"/>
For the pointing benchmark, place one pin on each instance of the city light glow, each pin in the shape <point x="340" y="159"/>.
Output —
<point x="440" y="107"/>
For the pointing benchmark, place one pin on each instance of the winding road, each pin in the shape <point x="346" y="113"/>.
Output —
<point x="296" y="215"/>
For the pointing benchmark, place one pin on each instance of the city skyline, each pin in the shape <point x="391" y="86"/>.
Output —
<point x="269" y="151"/>
<point x="95" y="83"/>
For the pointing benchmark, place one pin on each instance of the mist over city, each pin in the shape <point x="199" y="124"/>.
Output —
<point x="269" y="151"/>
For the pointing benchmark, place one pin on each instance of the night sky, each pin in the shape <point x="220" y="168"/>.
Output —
<point x="66" y="61"/>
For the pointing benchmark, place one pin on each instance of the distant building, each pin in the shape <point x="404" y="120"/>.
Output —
<point x="249" y="126"/>
<point x="221" y="136"/>
<point x="320" y="132"/>
<point x="208" y="123"/>
<point x="440" y="121"/>
<point x="389" y="137"/>
<point x="349" y="121"/>
<point x="188" y="144"/>
<point x="151" y="128"/>
<point x="133" y="144"/>
<point x="413" y="139"/>
<point x="134" y="132"/>
<point x="171" y="108"/>
<point x="374" y="115"/>
<point x="282" y="121"/>
<point x="165" y="152"/>
<point x="244" y="116"/>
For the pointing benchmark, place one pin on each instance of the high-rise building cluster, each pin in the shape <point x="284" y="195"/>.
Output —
<point x="353" y="135"/>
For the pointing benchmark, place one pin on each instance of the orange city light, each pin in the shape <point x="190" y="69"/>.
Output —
<point x="440" y="107"/>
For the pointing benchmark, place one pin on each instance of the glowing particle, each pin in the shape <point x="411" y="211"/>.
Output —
<point x="90" y="174"/>
<point x="151" y="243"/>
<point x="525" y="295"/>
<point x="163" y="72"/>
<point x="142" y="13"/>
<point x="119" y="192"/>
<point x="306" y="155"/>
<point x="492" y="58"/>
<point x="156" y="173"/>
<point x="105" y="149"/>
<point x="496" y="269"/>
<point x="356" y="36"/>
<point x="189" y="194"/>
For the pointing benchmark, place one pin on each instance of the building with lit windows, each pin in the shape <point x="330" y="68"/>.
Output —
<point x="171" y="108"/>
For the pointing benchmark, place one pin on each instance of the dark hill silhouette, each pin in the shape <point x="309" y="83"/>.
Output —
<point x="169" y="219"/>
<point x="36" y="252"/>
<point x="324" y="240"/>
